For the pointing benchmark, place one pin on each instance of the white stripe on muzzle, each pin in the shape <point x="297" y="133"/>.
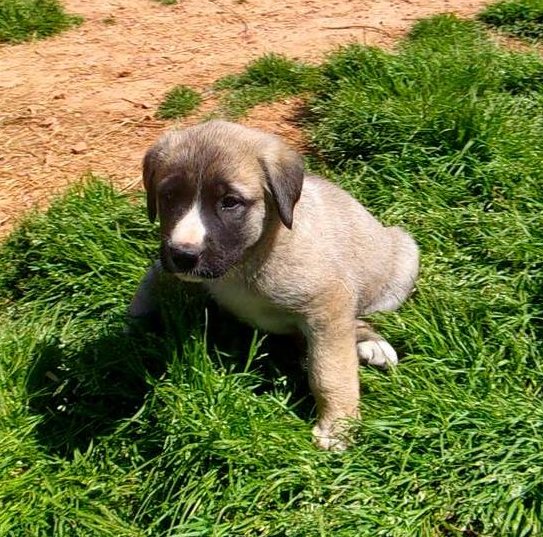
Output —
<point x="190" y="230"/>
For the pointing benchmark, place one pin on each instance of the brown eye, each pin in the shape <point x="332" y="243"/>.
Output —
<point x="230" y="202"/>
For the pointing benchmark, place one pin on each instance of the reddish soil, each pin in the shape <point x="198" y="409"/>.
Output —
<point x="85" y="100"/>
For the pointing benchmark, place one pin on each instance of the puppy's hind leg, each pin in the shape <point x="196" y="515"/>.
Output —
<point x="373" y="349"/>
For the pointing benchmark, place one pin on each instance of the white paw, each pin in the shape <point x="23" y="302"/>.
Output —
<point x="377" y="352"/>
<point x="324" y="438"/>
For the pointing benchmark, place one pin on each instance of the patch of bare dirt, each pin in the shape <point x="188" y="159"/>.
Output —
<point x="85" y="100"/>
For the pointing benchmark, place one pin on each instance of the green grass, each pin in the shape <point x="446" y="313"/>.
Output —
<point x="454" y="98"/>
<point x="21" y="20"/>
<point x="179" y="102"/>
<point x="167" y="2"/>
<point x="521" y="18"/>
<point x="200" y="433"/>
<point x="266" y="79"/>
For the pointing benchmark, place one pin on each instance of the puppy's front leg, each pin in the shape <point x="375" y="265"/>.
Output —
<point x="145" y="304"/>
<point x="333" y="378"/>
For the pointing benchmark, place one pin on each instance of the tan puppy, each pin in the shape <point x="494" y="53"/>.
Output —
<point x="286" y="252"/>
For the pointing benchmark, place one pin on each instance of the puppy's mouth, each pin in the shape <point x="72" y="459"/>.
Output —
<point x="198" y="275"/>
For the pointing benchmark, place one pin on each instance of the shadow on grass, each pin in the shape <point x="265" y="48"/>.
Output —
<point x="83" y="394"/>
<point x="283" y="362"/>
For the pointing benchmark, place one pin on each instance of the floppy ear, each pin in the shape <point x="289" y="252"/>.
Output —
<point x="284" y="172"/>
<point x="149" y="181"/>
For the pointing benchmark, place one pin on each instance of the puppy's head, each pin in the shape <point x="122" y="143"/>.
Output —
<point x="216" y="187"/>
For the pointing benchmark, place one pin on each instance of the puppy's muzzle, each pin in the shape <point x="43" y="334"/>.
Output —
<point x="185" y="257"/>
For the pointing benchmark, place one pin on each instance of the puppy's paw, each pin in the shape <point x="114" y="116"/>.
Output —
<point x="377" y="352"/>
<point x="325" y="438"/>
<point x="151" y="322"/>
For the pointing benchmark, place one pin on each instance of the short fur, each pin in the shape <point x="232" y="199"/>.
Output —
<point x="296" y="255"/>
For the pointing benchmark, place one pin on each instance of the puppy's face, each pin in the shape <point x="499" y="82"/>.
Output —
<point x="216" y="188"/>
<point x="210" y="213"/>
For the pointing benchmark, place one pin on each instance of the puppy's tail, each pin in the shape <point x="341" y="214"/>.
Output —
<point x="404" y="269"/>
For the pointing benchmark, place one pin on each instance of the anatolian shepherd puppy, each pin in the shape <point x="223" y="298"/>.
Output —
<point x="283" y="251"/>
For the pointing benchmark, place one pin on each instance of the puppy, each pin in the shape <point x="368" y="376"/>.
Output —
<point x="283" y="251"/>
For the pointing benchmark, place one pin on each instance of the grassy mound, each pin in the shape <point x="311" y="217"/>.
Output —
<point x="21" y="20"/>
<point x="106" y="434"/>
<point x="449" y="93"/>
<point x="521" y="18"/>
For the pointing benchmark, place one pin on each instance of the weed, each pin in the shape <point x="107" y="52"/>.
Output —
<point x="179" y="102"/>
<point x="21" y="20"/>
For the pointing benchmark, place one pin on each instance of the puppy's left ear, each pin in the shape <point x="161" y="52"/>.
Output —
<point x="284" y="171"/>
<point x="149" y="181"/>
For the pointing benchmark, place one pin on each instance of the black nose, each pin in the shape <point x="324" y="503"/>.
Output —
<point x="185" y="257"/>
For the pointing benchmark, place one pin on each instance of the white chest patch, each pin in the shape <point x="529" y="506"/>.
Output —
<point x="190" y="230"/>
<point x="253" y="308"/>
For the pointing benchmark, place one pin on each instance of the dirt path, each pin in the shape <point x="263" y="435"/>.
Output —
<point x="84" y="101"/>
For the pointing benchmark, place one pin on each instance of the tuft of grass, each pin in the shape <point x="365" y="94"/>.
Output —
<point x="106" y="434"/>
<point x="21" y="20"/>
<point x="179" y="102"/>
<point x="521" y="18"/>
<point x="167" y="2"/>
<point x="266" y="79"/>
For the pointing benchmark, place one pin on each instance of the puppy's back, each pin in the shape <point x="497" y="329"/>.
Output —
<point x="378" y="263"/>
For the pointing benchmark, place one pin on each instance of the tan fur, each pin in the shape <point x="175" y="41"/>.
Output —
<point x="337" y="263"/>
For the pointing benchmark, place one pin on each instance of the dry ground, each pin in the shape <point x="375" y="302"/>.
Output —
<point x="85" y="100"/>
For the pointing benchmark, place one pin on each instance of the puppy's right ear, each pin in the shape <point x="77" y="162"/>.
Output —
<point x="149" y="181"/>
<point x="284" y="171"/>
